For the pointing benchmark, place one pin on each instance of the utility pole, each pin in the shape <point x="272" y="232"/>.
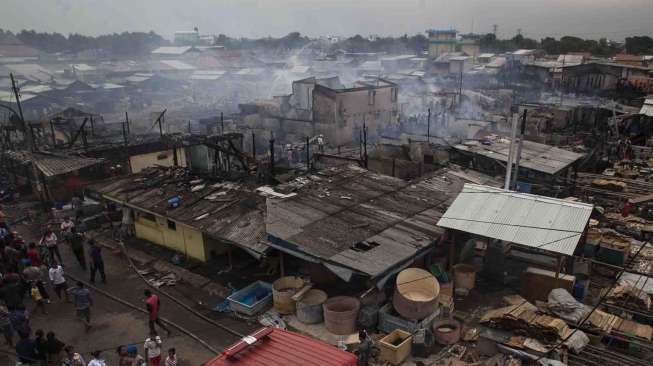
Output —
<point x="506" y="185"/>
<point x="365" y="143"/>
<point x="519" y="148"/>
<point x="28" y="134"/>
<point x="222" y="122"/>
<point x="127" y="122"/>
<point x="308" y="154"/>
<point x="189" y="131"/>
<point x="271" y="155"/>
<point x="54" y="139"/>
<point x="460" y="86"/>
<point x="92" y="127"/>
<point x="253" y="145"/>
<point x="428" y="127"/>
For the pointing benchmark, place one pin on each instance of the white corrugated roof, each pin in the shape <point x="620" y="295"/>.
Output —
<point x="549" y="224"/>
<point x="178" y="65"/>
<point x="171" y="50"/>
<point x="647" y="108"/>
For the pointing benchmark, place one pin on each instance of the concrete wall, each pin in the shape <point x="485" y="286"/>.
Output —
<point x="340" y="115"/>
<point x="162" y="158"/>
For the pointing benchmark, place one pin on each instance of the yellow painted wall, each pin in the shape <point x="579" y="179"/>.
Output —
<point x="183" y="239"/>
<point x="162" y="158"/>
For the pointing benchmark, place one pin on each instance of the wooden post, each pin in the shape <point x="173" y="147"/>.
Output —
<point x="558" y="266"/>
<point x="282" y="269"/>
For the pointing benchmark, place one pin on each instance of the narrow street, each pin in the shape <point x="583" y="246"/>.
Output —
<point x="115" y="324"/>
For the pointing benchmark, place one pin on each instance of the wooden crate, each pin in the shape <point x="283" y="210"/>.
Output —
<point x="395" y="354"/>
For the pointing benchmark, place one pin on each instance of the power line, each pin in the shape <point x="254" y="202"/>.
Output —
<point x="602" y="299"/>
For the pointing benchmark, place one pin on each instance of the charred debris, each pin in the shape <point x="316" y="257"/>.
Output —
<point x="519" y="183"/>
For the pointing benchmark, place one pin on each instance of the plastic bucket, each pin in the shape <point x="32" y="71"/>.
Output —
<point x="309" y="308"/>
<point x="283" y="290"/>
<point x="464" y="276"/>
<point x="340" y="314"/>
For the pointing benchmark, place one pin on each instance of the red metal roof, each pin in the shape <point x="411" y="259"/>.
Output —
<point x="276" y="347"/>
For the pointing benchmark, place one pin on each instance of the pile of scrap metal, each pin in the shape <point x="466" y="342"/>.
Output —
<point x="631" y="295"/>
<point x="531" y="327"/>
<point x="458" y="355"/>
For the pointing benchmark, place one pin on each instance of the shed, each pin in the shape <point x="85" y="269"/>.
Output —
<point x="277" y="347"/>
<point x="544" y="223"/>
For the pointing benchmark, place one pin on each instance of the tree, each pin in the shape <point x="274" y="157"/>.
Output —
<point x="639" y="45"/>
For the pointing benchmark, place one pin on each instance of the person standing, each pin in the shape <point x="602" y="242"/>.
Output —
<point x="67" y="227"/>
<point x="153" y="305"/>
<point x="77" y="246"/>
<point x="51" y="242"/>
<point x="58" y="279"/>
<point x="127" y="222"/>
<point x="54" y="347"/>
<point x="5" y="326"/>
<point x="97" y="263"/>
<point x="34" y="274"/>
<point x="83" y="301"/>
<point x="72" y="358"/>
<point x="40" y="344"/>
<point x="26" y="350"/>
<point x="152" y="347"/>
<point x="35" y="293"/>
<point x="97" y="361"/>
<point x="171" y="360"/>
<point x="33" y="255"/>
<point x="364" y="349"/>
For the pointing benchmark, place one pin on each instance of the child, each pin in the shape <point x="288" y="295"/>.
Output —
<point x="37" y="297"/>
<point x="171" y="360"/>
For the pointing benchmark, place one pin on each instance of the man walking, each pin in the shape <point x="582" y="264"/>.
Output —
<point x="77" y="246"/>
<point x="97" y="263"/>
<point x="153" y="305"/>
<point x="83" y="301"/>
<point x="58" y="279"/>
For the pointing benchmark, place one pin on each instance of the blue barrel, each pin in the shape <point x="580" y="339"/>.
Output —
<point x="579" y="291"/>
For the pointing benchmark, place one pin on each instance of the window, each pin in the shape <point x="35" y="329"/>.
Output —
<point x="146" y="216"/>
<point x="371" y="96"/>
<point x="172" y="225"/>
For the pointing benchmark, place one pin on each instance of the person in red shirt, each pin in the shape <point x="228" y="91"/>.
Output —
<point x="153" y="305"/>
<point x="625" y="210"/>
<point x="33" y="255"/>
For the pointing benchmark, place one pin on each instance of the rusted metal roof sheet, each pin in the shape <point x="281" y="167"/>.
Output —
<point x="545" y="223"/>
<point x="360" y="220"/>
<point x="223" y="211"/>
<point x="54" y="164"/>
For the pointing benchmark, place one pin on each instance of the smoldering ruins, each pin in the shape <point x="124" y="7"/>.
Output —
<point x="460" y="199"/>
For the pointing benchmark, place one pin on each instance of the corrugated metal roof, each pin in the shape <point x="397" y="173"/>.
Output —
<point x="53" y="164"/>
<point x="647" y="108"/>
<point x="336" y="210"/>
<point x="539" y="157"/>
<point x="221" y="211"/>
<point x="284" y="348"/>
<point x="549" y="224"/>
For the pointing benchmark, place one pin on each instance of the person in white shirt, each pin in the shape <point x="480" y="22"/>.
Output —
<point x="67" y="228"/>
<point x="152" y="348"/>
<point x="58" y="279"/>
<point x="50" y="240"/>
<point x="96" y="361"/>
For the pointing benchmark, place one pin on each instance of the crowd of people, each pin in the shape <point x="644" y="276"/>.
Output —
<point x="30" y="271"/>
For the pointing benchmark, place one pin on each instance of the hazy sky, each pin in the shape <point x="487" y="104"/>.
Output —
<point x="252" y="18"/>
